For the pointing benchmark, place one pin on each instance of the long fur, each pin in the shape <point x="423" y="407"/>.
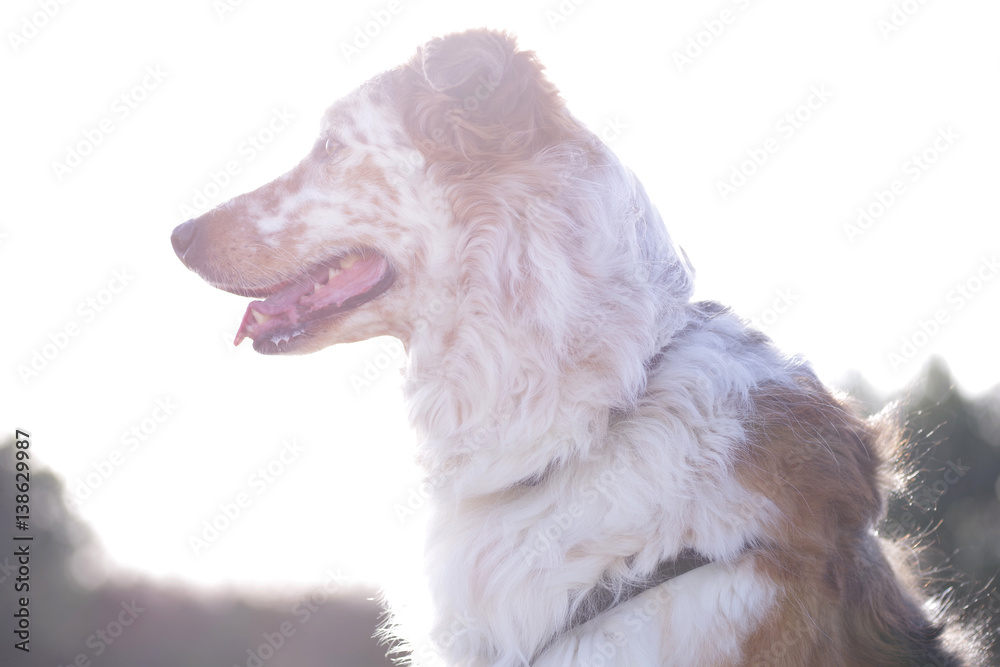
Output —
<point x="580" y="418"/>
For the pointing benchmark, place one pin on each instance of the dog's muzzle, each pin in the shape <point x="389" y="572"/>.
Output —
<point x="183" y="238"/>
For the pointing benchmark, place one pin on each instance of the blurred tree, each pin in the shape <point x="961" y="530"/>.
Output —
<point x="955" y="484"/>
<point x="118" y="624"/>
<point x="950" y="502"/>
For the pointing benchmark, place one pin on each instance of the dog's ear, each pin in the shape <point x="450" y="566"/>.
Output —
<point x="460" y="63"/>
<point x="472" y="96"/>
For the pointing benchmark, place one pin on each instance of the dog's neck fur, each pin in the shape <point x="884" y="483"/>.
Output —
<point x="474" y="385"/>
<point x="531" y="472"/>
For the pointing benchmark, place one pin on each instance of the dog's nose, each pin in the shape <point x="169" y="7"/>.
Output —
<point x="183" y="236"/>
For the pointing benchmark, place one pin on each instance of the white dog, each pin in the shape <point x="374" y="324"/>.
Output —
<point x="621" y="476"/>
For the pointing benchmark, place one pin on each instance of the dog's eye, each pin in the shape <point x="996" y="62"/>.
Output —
<point x="332" y="147"/>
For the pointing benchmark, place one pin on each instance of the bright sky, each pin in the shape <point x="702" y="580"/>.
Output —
<point x="759" y="128"/>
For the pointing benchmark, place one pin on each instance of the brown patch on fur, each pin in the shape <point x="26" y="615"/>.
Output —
<point x="229" y="250"/>
<point x="367" y="180"/>
<point x="840" y="601"/>
<point x="232" y="252"/>
<point x="498" y="109"/>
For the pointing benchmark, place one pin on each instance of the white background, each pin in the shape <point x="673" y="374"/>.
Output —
<point x="778" y="242"/>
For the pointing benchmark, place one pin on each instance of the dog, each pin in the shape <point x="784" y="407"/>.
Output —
<point x="621" y="475"/>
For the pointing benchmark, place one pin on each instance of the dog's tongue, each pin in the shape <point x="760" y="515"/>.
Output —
<point x="322" y="288"/>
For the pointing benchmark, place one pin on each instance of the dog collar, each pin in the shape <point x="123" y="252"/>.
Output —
<point x="603" y="598"/>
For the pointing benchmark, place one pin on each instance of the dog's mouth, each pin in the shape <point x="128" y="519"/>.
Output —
<point x="326" y="290"/>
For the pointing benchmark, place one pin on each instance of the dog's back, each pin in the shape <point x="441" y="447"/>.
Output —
<point x="846" y="596"/>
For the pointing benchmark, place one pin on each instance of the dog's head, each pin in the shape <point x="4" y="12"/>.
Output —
<point x="342" y="246"/>
<point x="453" y="191"/>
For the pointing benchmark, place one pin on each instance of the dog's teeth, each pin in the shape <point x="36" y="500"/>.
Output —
<point x="260" y="317"/>
<point x="348" y="261"/>
<point x="317" y="287"/>
<point x="333" y="273"/>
